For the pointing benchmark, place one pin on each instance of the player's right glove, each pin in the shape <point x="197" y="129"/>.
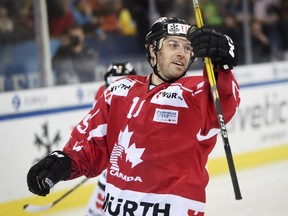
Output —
<point x="206" y="42"/>
<point x="53" y="168"/>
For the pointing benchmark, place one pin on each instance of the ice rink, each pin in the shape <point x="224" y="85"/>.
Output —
<point x="264" y="190"/>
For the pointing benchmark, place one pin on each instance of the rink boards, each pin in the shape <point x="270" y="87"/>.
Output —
<point x="33" y="122"/>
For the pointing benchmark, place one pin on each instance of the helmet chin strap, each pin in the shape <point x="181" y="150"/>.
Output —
<point x="159" y="75"/>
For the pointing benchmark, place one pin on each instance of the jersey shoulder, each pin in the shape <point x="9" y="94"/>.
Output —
<point x="191" y="81"/>
<point x="99" y="92"/>
<point x="123" y="85"/>
<point x="131" y="79"/>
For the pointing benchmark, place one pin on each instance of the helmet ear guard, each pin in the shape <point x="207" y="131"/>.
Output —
<point x="155" y="46"/>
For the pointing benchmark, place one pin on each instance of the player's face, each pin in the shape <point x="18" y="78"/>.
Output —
<point x="173" y="57"/>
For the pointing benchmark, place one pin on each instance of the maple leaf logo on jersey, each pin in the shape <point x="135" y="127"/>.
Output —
<point x="130" y="153"/>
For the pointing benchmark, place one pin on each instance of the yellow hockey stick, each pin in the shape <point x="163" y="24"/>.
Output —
<point x="224" y="134"/>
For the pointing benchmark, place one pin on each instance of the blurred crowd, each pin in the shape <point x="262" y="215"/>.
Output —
<point x="267" y="18"/>
<point x="103" y="20"/>
<point x="97" y="18"/>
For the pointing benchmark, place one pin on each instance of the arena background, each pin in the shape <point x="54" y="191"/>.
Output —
<point x="36" y="116"/>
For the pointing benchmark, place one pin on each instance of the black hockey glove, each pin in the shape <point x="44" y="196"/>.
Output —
<point x="42" y="176"/>
<point x="207" y="42"/>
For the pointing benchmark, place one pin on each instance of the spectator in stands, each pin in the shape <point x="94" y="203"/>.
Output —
<point x="182" y="9"/>
<point x="211" y="14"/>
<point x="103" y="17"/>
<point x="284" y="26"/>
<point x="126" y="24"/>
<point x="140" y="14"/>
<point x="261" y="47"/>
<point x="267" y="12"/>
<point x="235" y="7"/>
<point x="105" y="11"/>
<point x="60" y="17"/>
<point x="84" y="15"/>
<point x="26" y="13"/>
<point x="73" y="61"/>
<point x="16" y="21"/>
<point x="6" y="23"/>
<point x="164" y="7"/>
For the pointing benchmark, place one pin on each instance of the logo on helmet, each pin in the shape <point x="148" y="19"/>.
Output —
<point x="177" y="28"/>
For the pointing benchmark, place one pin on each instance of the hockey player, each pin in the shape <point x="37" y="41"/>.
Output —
<point x="154" y="133"/>
<point x="114" y="72"/>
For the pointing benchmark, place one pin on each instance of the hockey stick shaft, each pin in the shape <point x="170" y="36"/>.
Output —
<point x="215" y="94"/>
<point x="36" y="208"/>
<point x="70" y="191"/>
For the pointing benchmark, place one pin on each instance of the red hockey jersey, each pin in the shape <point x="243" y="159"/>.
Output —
<point x="155" y="143"/>
<point x="99" y="92"/>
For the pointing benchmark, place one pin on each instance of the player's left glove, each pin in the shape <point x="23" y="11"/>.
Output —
<point x="206" y="42"/>
<point x="47" y="172"/>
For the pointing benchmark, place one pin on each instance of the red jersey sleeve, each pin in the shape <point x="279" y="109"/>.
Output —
<point x="99" y="92"/>
<point x="87" y="145"/>
<point x="228" y="90"/>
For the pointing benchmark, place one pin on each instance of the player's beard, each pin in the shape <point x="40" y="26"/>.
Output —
<point x="172" y="69"/>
